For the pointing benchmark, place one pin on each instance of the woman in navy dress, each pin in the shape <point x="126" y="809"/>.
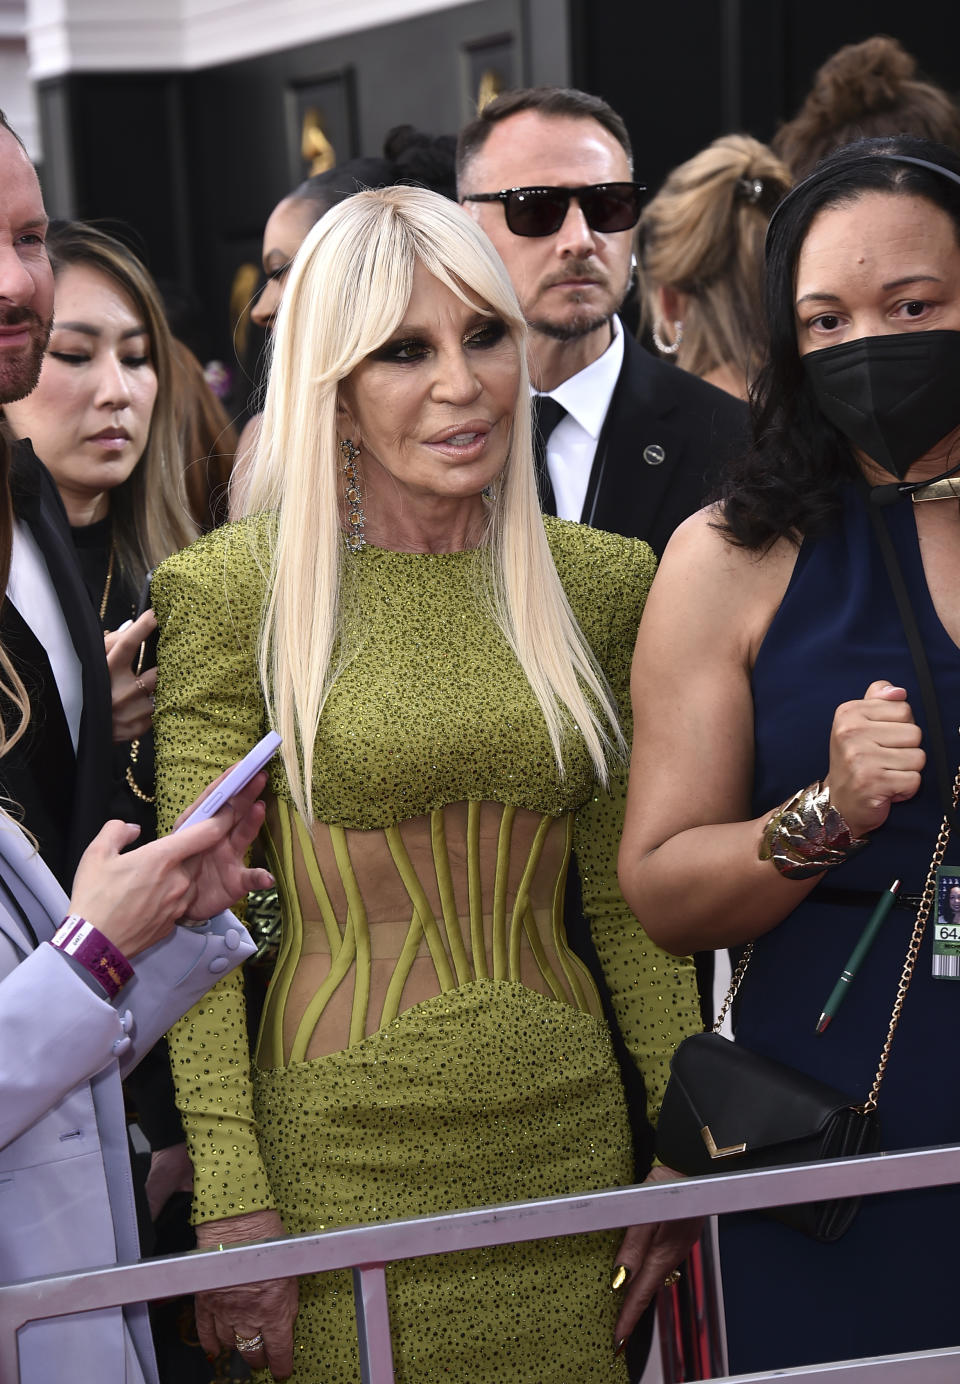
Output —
<point x="772" y="657"/>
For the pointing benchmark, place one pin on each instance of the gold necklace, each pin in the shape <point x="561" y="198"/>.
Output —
<point x="946" y="489"/>
<point x="132" y="784"/>
<point x="107" y="584"/>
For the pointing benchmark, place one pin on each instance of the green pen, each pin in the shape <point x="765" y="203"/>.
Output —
<point x="867" y="937"/>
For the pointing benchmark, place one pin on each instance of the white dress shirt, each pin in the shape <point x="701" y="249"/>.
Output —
<point x="30" y="589"/>
<point x="572" y="445"/>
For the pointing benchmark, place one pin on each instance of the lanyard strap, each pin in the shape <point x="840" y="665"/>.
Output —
<point x="920" y="664"/>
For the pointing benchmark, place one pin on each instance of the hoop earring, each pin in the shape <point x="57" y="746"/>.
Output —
<point x="668" y="348"/>
<point x="354" y="536"/>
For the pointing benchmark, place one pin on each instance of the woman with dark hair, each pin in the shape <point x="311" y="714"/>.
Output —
<point x="130" y="469"/>
<point x="409" y="156"/>
<point x="102" y="420"/>
<point x="774" y="654"/>
<point x="866" y="90"/>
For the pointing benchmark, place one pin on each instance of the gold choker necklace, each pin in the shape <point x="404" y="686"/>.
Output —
<point x="947" y="489"/>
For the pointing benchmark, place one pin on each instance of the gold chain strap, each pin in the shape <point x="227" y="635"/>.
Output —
<point x="913" y="951"/>
<point x="735" y="981"/>
<point x="109" y="581"/>
<point x="909" y="964"/>
<point x="132" y="784"/>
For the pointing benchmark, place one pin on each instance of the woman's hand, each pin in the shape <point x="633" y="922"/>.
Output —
<point x="131" y="693"/>
<point x="137" y="897"/>
<point x="219" y="876"/>
<point x="875" y="756"/>
<point x="170" y="1171"/>
<point x="253" y="1309"/>
<point x="649" y="1253"/>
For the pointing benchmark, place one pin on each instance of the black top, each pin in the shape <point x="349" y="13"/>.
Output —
<point x="63" y="797"/>
<point x="133" y="761"/>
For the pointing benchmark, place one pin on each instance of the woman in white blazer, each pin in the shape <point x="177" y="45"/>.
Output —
<point x="66" y="1196"/>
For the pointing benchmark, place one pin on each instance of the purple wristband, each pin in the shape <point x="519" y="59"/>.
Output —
<point x="94" y="952"/>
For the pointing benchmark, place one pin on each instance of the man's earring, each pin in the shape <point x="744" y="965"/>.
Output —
<point x="354" y="537"/>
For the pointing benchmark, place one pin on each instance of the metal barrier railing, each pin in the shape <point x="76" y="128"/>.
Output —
<point x="368" y="1249"/>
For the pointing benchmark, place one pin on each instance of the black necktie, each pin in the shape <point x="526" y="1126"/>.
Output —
<point x="547" y="413"/>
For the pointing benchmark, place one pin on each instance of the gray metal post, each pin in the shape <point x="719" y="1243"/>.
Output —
<point x="373" y="1324"/>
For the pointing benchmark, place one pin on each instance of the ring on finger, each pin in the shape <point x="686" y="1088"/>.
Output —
<point x="143" y="688"/>
<point x="248" y="1343"/>
<point x="672" y="1278"/>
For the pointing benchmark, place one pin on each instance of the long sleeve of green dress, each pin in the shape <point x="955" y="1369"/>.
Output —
<point x="209" y="714"/>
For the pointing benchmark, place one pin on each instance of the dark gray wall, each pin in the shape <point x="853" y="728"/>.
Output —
<point x="683" y="73"/>
<point x="194" y="162"/>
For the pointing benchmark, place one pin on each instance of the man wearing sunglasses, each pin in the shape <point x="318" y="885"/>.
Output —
<point x="548" y="173"/>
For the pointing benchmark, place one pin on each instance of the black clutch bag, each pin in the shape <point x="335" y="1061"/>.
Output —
<point x="728" y="1109"/>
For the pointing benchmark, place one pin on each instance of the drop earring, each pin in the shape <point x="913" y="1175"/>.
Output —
<point x="668" y="348"/>
<point x="354" y="536"/>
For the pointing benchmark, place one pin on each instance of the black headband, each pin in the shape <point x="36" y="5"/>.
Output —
<point x="821" y="175"/>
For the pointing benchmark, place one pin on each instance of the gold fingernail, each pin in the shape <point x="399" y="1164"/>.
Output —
<point x="620" y="1277"/>
<point x="619" y="1350"/>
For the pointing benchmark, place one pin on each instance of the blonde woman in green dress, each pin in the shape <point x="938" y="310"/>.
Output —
<point x="449" y="672"/>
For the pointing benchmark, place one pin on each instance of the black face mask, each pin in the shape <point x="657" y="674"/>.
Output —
<point x="893" y="396"/>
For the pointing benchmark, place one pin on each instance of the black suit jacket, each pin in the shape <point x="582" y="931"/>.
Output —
<point x="665" y="440"/>
<point x="65" y="798"/>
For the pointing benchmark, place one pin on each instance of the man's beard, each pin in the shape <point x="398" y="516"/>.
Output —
<point x="583" y="323"/>
<point x="571" y="330"/>
<point x="20" y="370"/>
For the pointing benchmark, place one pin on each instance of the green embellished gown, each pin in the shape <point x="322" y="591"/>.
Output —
<point x="429" y="1041"/>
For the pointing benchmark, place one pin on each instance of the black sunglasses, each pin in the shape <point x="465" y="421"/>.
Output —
<point x="542" y="210"/>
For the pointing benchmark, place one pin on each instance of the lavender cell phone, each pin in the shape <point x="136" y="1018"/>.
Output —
<point x="238" y="777"/>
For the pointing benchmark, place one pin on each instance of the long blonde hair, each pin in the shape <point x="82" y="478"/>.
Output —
<point x="703" y="235"/>
<point x="347" y="292"/>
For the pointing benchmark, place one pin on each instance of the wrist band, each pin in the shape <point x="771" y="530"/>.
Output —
<point x="807" y="835"/>
<point x="94" y="952"/>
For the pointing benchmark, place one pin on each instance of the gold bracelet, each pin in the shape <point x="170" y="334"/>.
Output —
<point x="807" y="835"/>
